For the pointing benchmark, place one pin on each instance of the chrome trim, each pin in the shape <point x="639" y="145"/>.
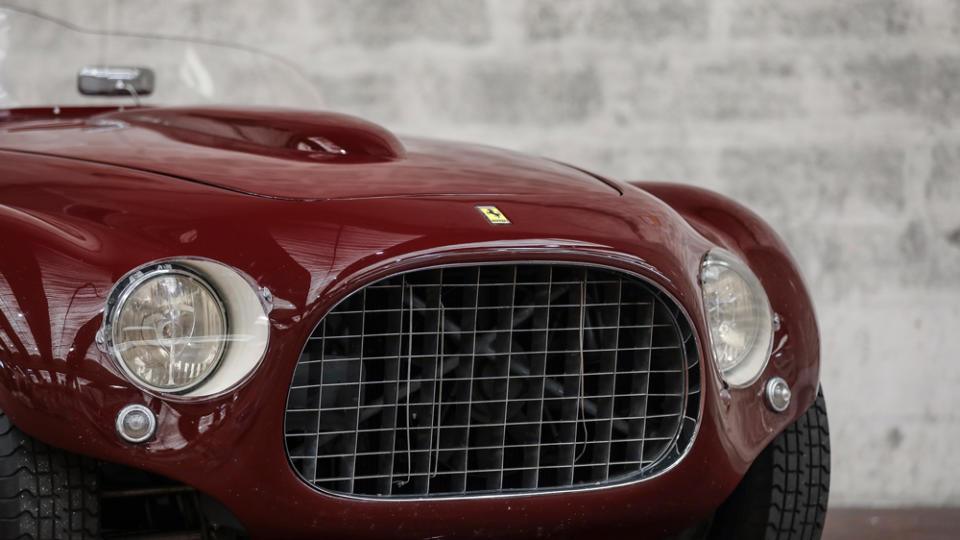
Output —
<point x="120" y="294"/>
<point x="151" y="418"/>
<point x="778" y="394"/>
<point x="116" y="81"/>
<point x="735" y="263"/>
<point x="411" y="264"/>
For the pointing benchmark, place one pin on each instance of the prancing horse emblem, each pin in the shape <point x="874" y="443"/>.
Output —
<point x="493" y="215"/>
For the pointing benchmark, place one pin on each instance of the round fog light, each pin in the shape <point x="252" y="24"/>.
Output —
<point x="136" y="423"/>
<point x="778" y="394"/>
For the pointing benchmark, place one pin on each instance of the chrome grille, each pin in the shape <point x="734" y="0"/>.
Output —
<point x="493" y="378"/>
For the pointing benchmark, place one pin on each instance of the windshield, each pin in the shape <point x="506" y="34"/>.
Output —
<point x="186" y="71"/>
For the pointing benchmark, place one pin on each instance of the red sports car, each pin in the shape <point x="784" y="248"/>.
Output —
<point x="286" y="323"/>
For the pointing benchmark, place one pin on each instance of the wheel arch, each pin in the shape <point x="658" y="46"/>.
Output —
<point x="796" y="352"/>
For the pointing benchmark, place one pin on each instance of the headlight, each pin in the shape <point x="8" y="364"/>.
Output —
<point x="193" y="327"/>
<point x="738" y="315"/>
<point x="168" y="329"/>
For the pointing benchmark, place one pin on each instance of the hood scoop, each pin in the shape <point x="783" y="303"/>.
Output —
<point x="312" y="136"/>
<point x="294" y="155"/>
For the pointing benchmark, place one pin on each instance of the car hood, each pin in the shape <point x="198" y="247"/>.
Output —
<point x="287" y="154"/>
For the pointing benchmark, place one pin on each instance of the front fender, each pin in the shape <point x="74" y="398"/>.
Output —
<point x="796" y="347"/>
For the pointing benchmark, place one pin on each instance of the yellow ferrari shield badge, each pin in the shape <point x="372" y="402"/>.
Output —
<point x="493" y="215"/>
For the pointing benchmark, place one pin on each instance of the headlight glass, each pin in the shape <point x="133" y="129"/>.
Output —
<point x="169" y="329"/>
<point x="738" y="315"/>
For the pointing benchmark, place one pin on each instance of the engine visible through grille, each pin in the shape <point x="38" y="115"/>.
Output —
<point x="484" y="379"/>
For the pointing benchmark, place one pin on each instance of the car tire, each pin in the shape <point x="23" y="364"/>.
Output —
<point x="784" y="493"/>
<point x="45" y="493"/>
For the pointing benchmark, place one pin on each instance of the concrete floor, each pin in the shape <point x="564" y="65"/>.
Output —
<point x="892" y="524"/>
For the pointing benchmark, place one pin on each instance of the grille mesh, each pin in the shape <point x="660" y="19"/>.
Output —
<point x="494" y="378"/>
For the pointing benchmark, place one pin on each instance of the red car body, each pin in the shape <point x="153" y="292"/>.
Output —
<point x="314" y="206"/>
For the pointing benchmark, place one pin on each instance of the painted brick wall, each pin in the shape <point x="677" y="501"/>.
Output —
<point x="835" y="120"/>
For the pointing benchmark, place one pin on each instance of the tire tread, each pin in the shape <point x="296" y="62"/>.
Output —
<point x="45" y="493"/>
<point x="784" y="494"/>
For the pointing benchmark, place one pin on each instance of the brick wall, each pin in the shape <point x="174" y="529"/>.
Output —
<point x="835" y="120"/>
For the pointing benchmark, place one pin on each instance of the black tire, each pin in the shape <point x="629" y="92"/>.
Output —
<point x="784" y="494"/>
<point x="45" y="493"/>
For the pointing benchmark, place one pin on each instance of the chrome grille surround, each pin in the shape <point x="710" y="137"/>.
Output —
<point x="506" y="378"/>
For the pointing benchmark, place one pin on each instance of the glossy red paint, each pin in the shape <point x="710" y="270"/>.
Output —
<point x="70" y="227"/>
<point x="278" y="153"/>
<point x="732" y="226"/>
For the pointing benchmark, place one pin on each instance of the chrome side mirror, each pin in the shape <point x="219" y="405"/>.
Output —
<point x="115" y="81"/>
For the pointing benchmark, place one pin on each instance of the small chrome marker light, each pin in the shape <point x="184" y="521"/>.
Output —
<point x="136" y="423"/>
<point x="778" y="394"/>
<point x="738" y="315"/>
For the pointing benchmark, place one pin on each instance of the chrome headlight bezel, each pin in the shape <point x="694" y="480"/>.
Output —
<point x="243" y="306"/>
<point x="117" y="301"/>
<point x="750" y="364"/>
